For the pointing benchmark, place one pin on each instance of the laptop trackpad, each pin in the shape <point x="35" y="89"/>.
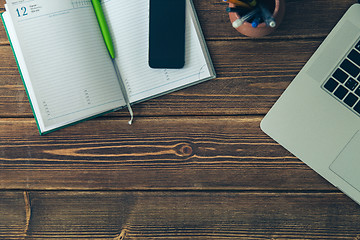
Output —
<point x="347" y="163"/>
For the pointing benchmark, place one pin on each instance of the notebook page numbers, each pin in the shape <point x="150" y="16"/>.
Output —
<point x="86" y="97"/>
<point x="128" y="88"/>
<point x="166" y="75"/>
<point x="80" y="3"/>
<point x="22" y="12"/>
<point x="46" y="108"/>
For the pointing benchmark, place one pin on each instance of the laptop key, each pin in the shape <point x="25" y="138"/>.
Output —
<point x="350" y="99"/>
<point x="349" y="67"/>
<point x="354" y="56"/>
<point x="341" y="92"/>
<point x="344" y="83"/>
<point x="331" y="84"/>
<point x="351" y="84"/>
<point x="340" y="75"/>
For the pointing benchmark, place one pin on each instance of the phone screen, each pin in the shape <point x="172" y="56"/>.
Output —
<point x="167" y="33"/>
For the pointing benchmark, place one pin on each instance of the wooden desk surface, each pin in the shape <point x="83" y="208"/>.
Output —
<point x="194" y="165"/>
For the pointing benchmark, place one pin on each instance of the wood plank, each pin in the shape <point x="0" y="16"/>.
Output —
<point x="302" y="19"/>
<point x="245" y="84"/>
<point x="313" y="16"/>
<point x="251" y="77"/>
<point x="182" y="215"/>
<point x="13" y="215"/>
<point x="3" y="36"/>
<point x="213" y="176"/>
<point x="195" y="153"/>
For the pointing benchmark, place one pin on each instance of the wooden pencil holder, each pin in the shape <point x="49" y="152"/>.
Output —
<point x="277" y="7"/>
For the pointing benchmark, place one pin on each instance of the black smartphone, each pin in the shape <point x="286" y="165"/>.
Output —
<point x="167" y="33"/>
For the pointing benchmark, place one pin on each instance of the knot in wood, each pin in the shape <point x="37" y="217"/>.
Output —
<point x="184" y="150"/>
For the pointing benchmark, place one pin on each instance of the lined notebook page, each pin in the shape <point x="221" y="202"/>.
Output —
<point x="71" y="76"/>
<point x="129" y="24"/>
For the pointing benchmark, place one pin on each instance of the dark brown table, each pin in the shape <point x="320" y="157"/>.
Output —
<point x="195" y="164"/>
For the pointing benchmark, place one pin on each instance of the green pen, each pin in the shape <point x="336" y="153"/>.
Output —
<point x="103" y="27"/>
<point x="110" y="47"/>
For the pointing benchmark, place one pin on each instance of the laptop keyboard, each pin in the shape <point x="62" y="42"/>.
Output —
<point x="344" y="83"/>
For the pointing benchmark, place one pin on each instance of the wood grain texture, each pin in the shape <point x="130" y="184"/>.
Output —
<point x="181" y="215"/>
<point x="246" y="83"/>
<point x="155" y="153"/>
<point x="303" y="19"/>
<point x="13" y="217"/>
<point x="3" y="36"/>
<point x="251" y="73"/>
<point x="195" y="164"/>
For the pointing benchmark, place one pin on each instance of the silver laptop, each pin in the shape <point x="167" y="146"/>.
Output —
<point x="317" y="118"/>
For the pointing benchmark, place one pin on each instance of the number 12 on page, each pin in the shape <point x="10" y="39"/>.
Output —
<point x="21" y="12"/>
